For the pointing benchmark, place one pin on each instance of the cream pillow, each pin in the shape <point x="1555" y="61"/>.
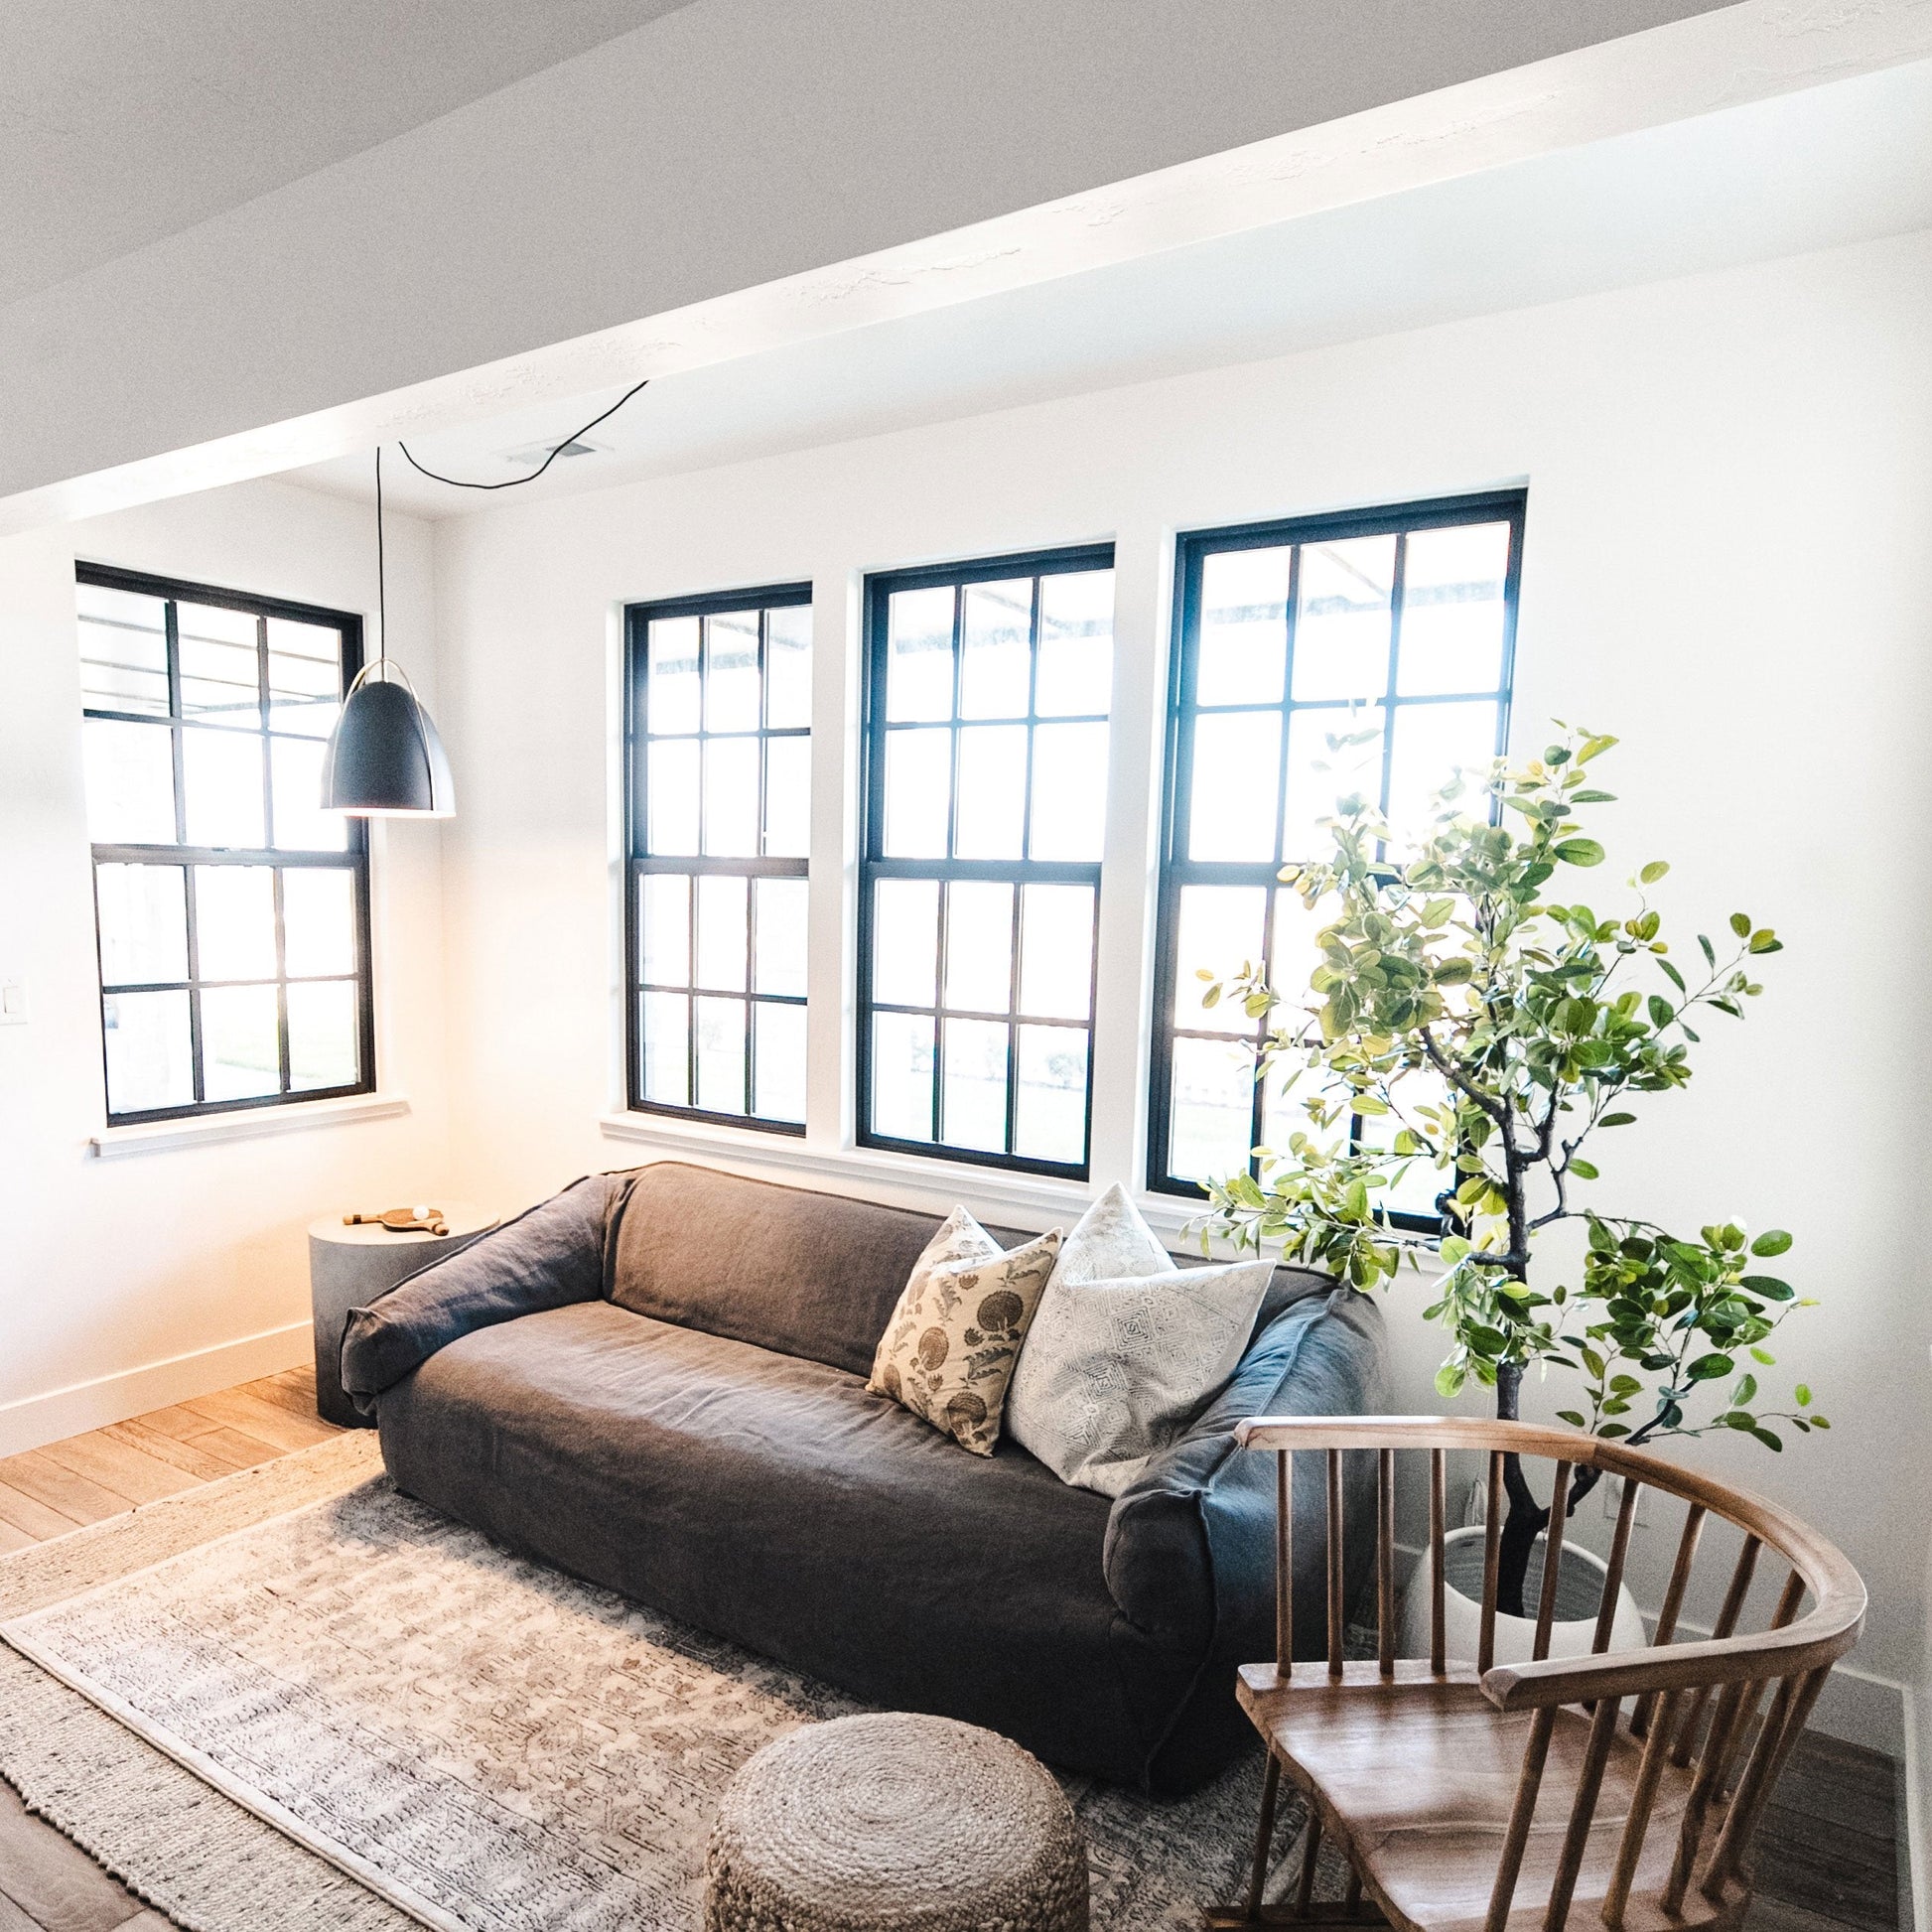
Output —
<point x="1125" y="1347"/>
<point x="947" y="1353"/>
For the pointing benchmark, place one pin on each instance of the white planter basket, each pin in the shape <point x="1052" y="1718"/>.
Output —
<point x="1580" y="1590"/>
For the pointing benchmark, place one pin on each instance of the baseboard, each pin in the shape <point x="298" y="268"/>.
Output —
<point x="1918" y="1907"/>
<point x="81" y="1406"/>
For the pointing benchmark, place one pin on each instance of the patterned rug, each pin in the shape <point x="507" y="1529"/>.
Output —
<point x="483" y="1743"/>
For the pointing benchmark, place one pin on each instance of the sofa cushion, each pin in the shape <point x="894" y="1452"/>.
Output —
<point x="771" y="1500"/>
<point x="948" y="1352"/>
<point x="807" y="1274"/>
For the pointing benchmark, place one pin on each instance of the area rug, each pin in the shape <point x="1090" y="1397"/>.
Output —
<point x="437" y="1730"/>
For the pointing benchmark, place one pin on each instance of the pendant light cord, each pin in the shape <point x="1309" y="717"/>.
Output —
<point x="381" y="576"/>
<point x="510" y="482"/>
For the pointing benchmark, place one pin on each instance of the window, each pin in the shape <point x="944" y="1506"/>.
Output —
<point x="987" y="694"/>
<point x="232" y="912"/>
<point x="719" y="807"/>
<point x="1392" y="629"/>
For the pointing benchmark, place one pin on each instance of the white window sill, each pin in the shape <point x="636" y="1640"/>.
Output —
<point x="250" y="1124"/>
<point x="1038" y="1198"/>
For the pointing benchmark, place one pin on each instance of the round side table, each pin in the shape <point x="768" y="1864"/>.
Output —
<point x="348" y="1267"/>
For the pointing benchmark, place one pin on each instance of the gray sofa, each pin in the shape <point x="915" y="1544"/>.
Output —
<point x="656" y="1380"/>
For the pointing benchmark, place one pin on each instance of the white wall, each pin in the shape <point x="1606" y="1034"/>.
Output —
<point x="129" y="1282"/>
<point x="1730" y="482"/>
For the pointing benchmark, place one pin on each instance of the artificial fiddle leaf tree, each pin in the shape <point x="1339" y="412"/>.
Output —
<point x="1470" y="1014"/>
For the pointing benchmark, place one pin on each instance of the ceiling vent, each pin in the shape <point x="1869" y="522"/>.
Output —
<point x="538" y="452"/>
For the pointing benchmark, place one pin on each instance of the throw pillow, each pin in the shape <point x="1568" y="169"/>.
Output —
<point x="1125" y="1347"/>
<point x="947" y="1353"/>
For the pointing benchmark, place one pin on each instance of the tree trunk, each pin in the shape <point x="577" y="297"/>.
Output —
<point x="1527" y="1517"/>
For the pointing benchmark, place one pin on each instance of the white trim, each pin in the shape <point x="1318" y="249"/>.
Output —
<point x="1915" y="1874"/>
<point x="245" y="1123"/>
<point x="941" y="1182"/>
<point x="81" y="1406"/>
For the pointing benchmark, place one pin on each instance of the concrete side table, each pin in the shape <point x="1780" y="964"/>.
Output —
<point x="348" y="1267"/>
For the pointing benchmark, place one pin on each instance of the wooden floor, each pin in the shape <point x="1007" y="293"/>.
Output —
<point x="1828" y="1855"/>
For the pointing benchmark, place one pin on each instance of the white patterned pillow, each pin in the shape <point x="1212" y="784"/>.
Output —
<point x="947" y="1353"/>
<point x="1125" y="1348"/>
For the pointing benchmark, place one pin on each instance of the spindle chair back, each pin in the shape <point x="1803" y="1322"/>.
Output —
<point x="1471" y="1796"/>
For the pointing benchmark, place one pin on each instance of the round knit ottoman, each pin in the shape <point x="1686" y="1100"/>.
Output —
<point x="895" y="1823"/>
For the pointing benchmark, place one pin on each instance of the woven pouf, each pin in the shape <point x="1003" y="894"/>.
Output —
<point x="895" y="1823"/>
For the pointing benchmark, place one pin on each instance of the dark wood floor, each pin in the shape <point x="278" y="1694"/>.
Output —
<point x="1828" y="1853"/>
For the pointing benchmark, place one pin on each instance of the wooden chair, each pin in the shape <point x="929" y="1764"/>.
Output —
<point x="1475" y="1797"/>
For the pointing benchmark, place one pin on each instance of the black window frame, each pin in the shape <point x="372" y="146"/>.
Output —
<point x="638" y="860"/>
<point x="354" y="858"/>
<point x="874" y="865"/>
<point x="1175" y="872"/>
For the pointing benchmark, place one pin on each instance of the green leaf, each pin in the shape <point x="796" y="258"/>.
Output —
<point x="1578" y="852"/>
<point x="1660" y="1011"/>
<point x="1708" y="1367"/>
<point x="1710" y="952"/>
<point x="1671" y="973"/>
<point x="1803" y="1394"/>
<point x="1769" y="1441"/>
<point x="1592" y="798"/>
<point x="1571" y="1417"/>
<point x="1773" y="1241"/>
<point x="1616" y="1120"/>
<point x="1653" y="871"/>
<point x="1581" y="1169"/>
<point x="1450" y="1380"/>
<point x="1741" y="924"/>
<point x="1594" y="747"/>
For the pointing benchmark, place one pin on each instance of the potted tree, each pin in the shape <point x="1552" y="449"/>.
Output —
<point x="1468" y="1017"/>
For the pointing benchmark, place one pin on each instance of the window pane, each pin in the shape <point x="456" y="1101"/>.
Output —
<point x="780" y="906"/>
<point x="721" y="1054"/>
<point x="1431" y="743"/>
<point x="1453" y="610"/>
<point x="788" y="666"/>
<point x="1321" y="774"/>
<point x="1237" y="778"/>
<point x="300" y="824"/>
<point x="1220" y="929"/>
<point x="667" y="1045"/>
<point x="918" y="792"/>
<point x="304" y="678"/>
<point x="778" y="1062"/>
<point x="1414" y="1193"/>
<point x="1055" y="952"/>
<point x="671" y="810"/>
<point x="992" y="791"/>
<point x="1052" y="1123"/>
<point x="901" y="1075"/>
<point x="996" y="635"/>
<point x="1210" y="1109"/>
<point x="974" y="1101"/>
<point x="1076" y="644"/>
<point x="731" y="796"/>
<point x="671" y="687"/>
<point x="722" y="933"/>
<point x="918" y="649"/>
<point x="1243" y="627"/>
<point x="123" y="651"/>
<point x="149" y="1051"/>
<point x="664" y="904"/>
<point x="130" y="782"/>
<point x="143" y="924"/>
<point x="318" y="921"/>
<point x="220" y="668"/>
<point x="730" y="696"/>
<point x="979" y="946"/>
<point x="242" y="1056"/>
<point x="1342" y="626"/>
<point x="234" y="922"/>
<point x="905" y="942"/>
<point x="787" y="797"/>
<point x="1294" y="954"/>
<point x="322" y="1034"/>
<point x="221" y="774"/>
<point x="1069" y="792"/>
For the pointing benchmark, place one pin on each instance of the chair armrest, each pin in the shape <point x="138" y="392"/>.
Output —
<point x="1190" y="1548"/>
<point x="549" y="1256"/>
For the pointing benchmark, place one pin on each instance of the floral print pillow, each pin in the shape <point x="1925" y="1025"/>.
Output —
<point x="947" y="1354"/>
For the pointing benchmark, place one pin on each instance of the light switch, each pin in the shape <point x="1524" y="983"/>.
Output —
<point x="13" y="1003"/>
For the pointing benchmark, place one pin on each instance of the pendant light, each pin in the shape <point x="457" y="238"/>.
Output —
<point x="384" y="758"/>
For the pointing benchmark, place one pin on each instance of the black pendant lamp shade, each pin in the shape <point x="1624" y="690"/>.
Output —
<point x="384" y="758"/>
<point x="384" y="755"/>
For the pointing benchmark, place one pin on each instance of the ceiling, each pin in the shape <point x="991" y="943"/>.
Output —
<point x="122" y="123"/>
<point x="1835" y="164"/>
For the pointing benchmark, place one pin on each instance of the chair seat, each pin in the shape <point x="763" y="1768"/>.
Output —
<point x="1417" y="1775"/>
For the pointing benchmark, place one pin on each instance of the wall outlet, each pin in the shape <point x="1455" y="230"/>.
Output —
<point x="1613" y="1492"/>
<point x="13" y="1003"/>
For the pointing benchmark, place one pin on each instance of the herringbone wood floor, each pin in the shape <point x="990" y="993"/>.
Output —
<point x="1827" y="1853"/>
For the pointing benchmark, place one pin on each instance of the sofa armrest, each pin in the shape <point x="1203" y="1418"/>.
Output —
<point x="549" y="1256"/>
<point x="1190" y="1544"/>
